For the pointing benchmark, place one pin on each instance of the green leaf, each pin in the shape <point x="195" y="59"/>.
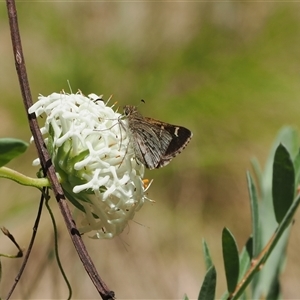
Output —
<point x="208" y="288"/>
<point x="286" y="221"/>
<point x="254" y="216"/>
<point x="262" y="280"/>
<point x="207" y="257"/>
<point x="10" y="148"/>
<point x="297" y="167"/>
<point x="257" y="173"/>
<point x="245" y="258"/>
<point x="185" y="297"/>
<point x="274" y="291"/>
<point x="283" y="185"/>
<point x="231" y="259"/>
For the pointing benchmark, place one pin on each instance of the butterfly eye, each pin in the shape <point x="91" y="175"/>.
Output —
<point x="126" y="111"/>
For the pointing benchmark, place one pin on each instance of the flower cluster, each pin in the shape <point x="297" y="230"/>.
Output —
<point x="91" y="151"/>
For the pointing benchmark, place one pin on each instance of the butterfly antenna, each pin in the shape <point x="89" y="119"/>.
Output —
<point x="142" y="101"/>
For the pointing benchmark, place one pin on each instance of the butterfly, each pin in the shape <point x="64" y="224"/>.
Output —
<point x="155" y="143"/>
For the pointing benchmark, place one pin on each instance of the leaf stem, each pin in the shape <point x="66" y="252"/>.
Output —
<point x="22" y="179"/>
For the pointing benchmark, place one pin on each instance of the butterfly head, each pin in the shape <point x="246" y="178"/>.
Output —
<point x="130" y="110"/>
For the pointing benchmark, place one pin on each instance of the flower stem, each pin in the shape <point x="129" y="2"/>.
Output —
<point x="22" y="179"/>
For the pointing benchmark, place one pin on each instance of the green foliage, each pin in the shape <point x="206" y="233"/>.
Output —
<point x="10" y="148"/>
<point x="282" y="189"/>
<point x="255" y="240"/>
<point x="273" y="204"/>
<point x="207" y="257"/>
<point x="208" y="288"/>
<point x="231" y="259"/>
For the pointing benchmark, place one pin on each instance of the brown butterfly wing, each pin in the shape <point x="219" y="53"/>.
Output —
<point x="149" y="142"/>
<point x="180" y="137"/>
<point x="155" y="143"/>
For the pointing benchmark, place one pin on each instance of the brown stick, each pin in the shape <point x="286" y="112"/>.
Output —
<point x="45" y="159"/>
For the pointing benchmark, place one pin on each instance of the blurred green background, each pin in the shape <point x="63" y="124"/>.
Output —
<point x="228" y="71"/>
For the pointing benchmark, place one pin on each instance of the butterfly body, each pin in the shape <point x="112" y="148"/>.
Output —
<point x="155" y="143"/>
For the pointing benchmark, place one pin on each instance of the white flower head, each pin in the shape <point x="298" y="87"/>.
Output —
<point x="91" y="151"/>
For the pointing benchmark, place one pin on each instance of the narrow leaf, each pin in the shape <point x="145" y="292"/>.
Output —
<point x="297" y="167"/>
<point x="231" y="259"/>
<point x="245" y="258"/>
<point x="258" y="174"/>
<point x="283" y="186"/>
<point x="254" y="215"/>
<point x="208" y="288"/>
<point x="274" y="291"/>
<point x="207" y="257"/>
<point x="10" y="148"/>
